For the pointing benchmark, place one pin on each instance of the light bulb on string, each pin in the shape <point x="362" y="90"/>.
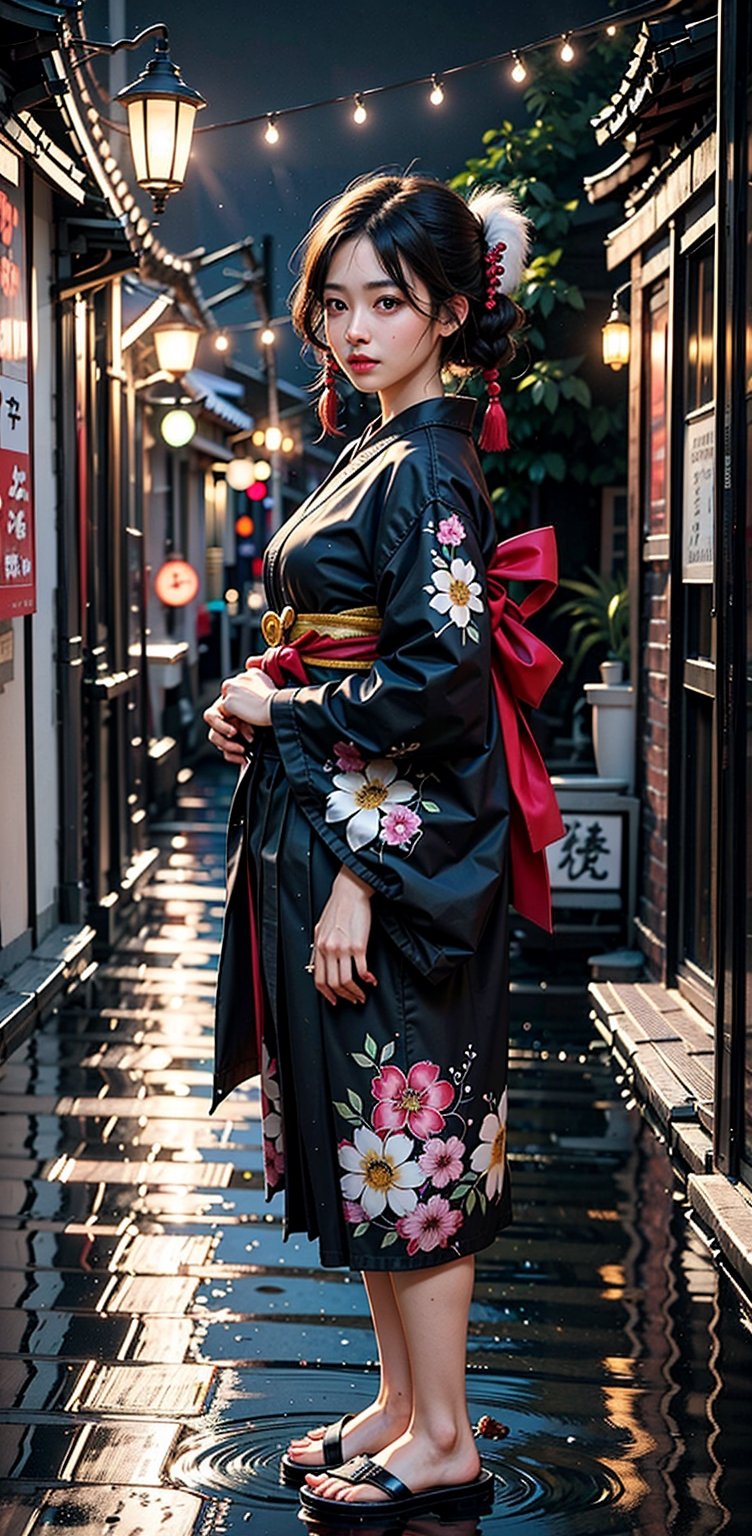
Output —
<point x="611" y="30"/>
<point x="566" y="52"/>
<point x="519" y="73"/>
<point x="272" y="131"/>
<point x="221" y="342"/>
<point x="267" y="337"/>
<point x="360" y="114"/>
<point x="437" y="94"/>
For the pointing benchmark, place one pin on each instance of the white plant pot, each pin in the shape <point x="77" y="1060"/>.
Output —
<point x="614" y="717"/>
<point x="612" y="671"/>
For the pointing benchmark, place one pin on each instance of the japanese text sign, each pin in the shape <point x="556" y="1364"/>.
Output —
<point x="17" y="564"/>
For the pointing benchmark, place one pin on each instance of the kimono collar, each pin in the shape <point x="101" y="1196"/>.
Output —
<point x="444" y="411"/>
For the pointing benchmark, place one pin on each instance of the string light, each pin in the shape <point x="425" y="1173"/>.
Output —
<point x="221" y="342"/>
<point x="437" y="94"/>
<point x="267" y="337"/>
<point x="630" y="16"/>
<point x="272" y="131"/>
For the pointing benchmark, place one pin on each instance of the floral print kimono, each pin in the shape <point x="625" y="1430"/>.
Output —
<point x="384" y="1122"/>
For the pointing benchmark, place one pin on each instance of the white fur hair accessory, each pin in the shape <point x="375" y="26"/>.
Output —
<point x="502" y="219"/>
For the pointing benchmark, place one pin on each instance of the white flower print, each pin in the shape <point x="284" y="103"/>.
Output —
<point x="270" y="1098"/>
<point x="378" y="1172"/>
<point x="489" y="1156"/>
<point x="456" y="592"/>
<point x="360" y="797"/>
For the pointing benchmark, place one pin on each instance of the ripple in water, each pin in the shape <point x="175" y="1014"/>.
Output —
<point x="242" y="1465"/>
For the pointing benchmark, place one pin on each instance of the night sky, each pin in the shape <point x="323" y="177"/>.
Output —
<point x="260" y="58"/>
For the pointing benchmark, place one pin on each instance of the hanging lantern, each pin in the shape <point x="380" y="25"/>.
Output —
<point x="175" y="342"/>
<point x="240" y="474"/>
<point x="616" y="336"/>
<point x="161" y="115"/>
<point x="177" y="427"/>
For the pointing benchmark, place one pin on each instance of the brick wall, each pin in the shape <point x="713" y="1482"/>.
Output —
<point x="652" y="765"/>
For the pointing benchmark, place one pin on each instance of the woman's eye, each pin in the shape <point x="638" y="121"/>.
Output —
<point x="389" y="299"/>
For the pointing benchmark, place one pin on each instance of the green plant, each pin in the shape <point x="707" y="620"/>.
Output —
<point x="601" y="617"/>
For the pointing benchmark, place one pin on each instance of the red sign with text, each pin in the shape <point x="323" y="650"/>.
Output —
<point x="17" y="561"/>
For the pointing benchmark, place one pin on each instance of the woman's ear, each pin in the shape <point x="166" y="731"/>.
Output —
<point x="454" y="313"/>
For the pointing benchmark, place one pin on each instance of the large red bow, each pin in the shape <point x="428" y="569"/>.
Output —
<point x="523" y="669"/>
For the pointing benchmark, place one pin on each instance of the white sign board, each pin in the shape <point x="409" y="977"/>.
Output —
<point x="697" y="511"/>
<point x="589" y="855"/>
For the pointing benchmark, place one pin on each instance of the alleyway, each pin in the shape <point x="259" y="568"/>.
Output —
<point x="159" y="1344"/>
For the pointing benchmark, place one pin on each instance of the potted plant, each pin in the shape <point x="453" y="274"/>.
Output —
<point x="600" y="614"/>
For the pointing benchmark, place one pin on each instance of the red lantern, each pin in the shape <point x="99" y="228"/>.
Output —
<point x="176" y="582"/>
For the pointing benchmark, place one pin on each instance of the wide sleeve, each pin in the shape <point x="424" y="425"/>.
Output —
<point x="391" y="765"/>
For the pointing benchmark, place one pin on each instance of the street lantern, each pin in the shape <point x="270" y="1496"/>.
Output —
<point x="240" y="474"/>
<point x="161" y="115"/>
<point x="176" y="341"/>
<point x="177" y="427"/>
<point x="616" y="337"/>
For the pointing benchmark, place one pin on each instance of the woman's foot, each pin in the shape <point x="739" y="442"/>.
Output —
<point x="367" y="1432"/>
<point x="443" y="1460"/>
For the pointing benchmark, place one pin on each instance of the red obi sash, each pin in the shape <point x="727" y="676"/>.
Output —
<point x="522" y="668"/>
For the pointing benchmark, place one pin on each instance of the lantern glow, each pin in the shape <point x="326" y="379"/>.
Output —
<point x="161" y="112"/>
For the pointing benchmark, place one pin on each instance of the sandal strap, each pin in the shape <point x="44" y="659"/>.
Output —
<point x="361" y="1469"/>
<point x="331" y="1441"/>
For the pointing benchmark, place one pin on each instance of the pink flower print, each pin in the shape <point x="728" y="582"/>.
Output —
<point x="490" y="1155"/>
<point x="348" y="758"/>
<point x="399" y="825"/>
<point x="430" y="1225"/>
<point x="441" y="1161"/>
<point x="354" y="1211"/>
<point x="274" y="1163"/>
<point x="451" y="531"/>
<point x="415" y="1101"/>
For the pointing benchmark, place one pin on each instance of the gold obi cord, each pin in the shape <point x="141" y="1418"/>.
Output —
<point x="289" y="626"/>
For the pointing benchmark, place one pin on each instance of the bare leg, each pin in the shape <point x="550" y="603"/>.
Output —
<point x="389" y="1415"/>
<point x="438" y="1446"/>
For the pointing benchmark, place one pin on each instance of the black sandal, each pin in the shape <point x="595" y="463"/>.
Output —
<point x="292" y="1473"/>
<point x="458" y="1500"/>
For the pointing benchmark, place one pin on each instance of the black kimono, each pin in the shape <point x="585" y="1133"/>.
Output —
<point x="384" y="1122"/>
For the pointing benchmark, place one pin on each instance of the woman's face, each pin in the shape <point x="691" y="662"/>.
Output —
<point x="367" y="316"/>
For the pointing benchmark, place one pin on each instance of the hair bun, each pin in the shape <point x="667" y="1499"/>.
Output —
<point x="502" y="219"/>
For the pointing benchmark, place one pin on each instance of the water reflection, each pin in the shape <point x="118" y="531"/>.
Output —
<point x="155" y="1329"/>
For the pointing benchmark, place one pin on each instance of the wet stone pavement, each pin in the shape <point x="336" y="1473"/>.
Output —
<point x="159" y="1344"/>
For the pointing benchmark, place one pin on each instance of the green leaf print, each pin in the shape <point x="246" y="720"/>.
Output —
<point x="361" y="1229"/>
<point x="361" y="1060"/>
<point x="470" y="1203"/>
<point x="390" y="1237"/>
<point x="387" y="1053"/>
<point x="355" y="1100"/>
<point x="430" y="805"/>
<point x="345" y="1111"/>
<point x="370" y="1047"/>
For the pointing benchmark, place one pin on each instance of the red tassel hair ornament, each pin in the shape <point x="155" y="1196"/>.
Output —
<point x="329" y="399"/>
<point x="494" y="435"/>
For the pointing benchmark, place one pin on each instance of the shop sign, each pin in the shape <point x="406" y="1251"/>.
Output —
<point x="588" y="858"/>
<point x="17" y="562"/>
<point x="699" y="485"/>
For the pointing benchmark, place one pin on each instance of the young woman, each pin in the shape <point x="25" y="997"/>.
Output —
<point x="394" y="792"/>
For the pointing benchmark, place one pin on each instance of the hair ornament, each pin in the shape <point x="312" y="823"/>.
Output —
<point x="506" y="237"/>
<point x="328" y="405"/>
<point x="503" y="223"/>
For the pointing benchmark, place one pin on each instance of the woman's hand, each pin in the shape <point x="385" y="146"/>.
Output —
<point x="229" y="736"/>
<point x="248" y="697"/>
<point x="340" y="938"/>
